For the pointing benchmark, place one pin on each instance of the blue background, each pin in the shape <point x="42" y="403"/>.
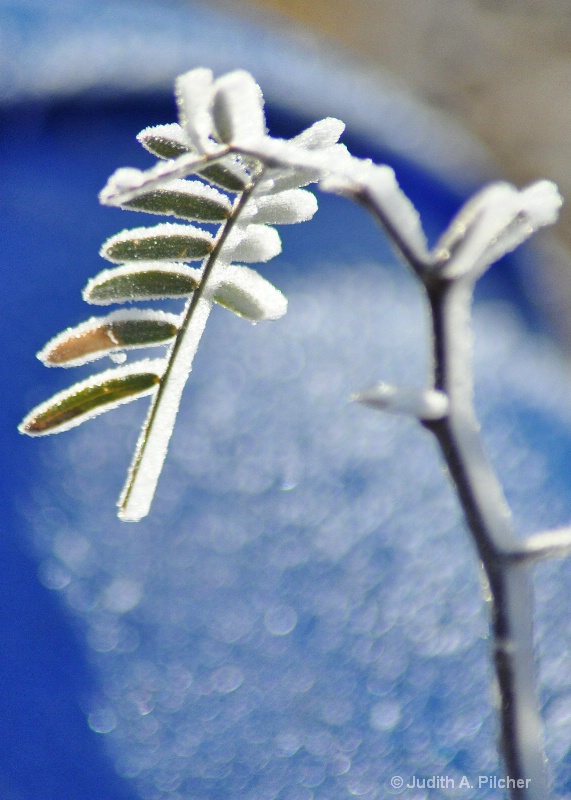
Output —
<point x="57" y="149"/>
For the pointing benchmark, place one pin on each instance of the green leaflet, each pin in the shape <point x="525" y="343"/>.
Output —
<point x="126" y="285"/>
<point x="165" y="147"/>
<point x="166" y="247"/>
<point x="181" y="204"/>
<point x="225" y="178"/>
<point x="88" y="340"/>
<point x="134" y="332"/>
<point x="85" y="400"/>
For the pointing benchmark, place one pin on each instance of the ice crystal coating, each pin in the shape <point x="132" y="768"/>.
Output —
<point x="194" y="94"/>
<point x="189" y="200"/>
<point x="285" y="208"/>
<point x="245" y="292"/>
<point x="220" y="129"/>
<point x="254" y="243"/>
<point x="492" y="223"/>
<point x="238" y="109"/>
<point x="221" y="138"/>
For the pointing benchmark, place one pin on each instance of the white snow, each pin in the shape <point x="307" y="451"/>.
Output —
<point x="281" y="495"/>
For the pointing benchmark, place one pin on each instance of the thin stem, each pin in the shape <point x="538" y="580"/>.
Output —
<point x="540" y="546"/>
<point x="489" y="521"/>
<point x="115" y="193"/>
<point x="146" y="466"/>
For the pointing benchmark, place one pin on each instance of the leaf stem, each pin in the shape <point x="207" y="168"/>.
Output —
<point x="146" y="466"/>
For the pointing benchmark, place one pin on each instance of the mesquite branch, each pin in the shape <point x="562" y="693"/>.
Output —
<point x="505" y="559"/>
<point x="489" y="521"/>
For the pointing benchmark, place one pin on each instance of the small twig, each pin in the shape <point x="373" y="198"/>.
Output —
<point x="541" y="546"/>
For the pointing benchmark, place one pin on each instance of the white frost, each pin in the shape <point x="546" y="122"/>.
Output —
<point x="127" y="183"/>
<point x="255" y="243"/>
<point x="238" y="109"/>
<point x="291" y="165"/>
<point x="249" y="295"/>
<point x="323" y="133"/>
<point x="424" y="404"/>
<point x="383" y="189"/>
<point x="194" y="95"/>
<point x="196" y="189"/>
<point x="494" y="222"/>
<point x="285" y="208"/>
<point x="164" y="229"/>
<point x="146" y="466"/>
<point x="172" y="131"/>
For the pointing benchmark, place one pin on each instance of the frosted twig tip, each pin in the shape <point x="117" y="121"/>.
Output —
<point x="427" y="405"/>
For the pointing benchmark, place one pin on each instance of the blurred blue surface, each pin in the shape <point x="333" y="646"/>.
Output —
<point x="300" y="616"/>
